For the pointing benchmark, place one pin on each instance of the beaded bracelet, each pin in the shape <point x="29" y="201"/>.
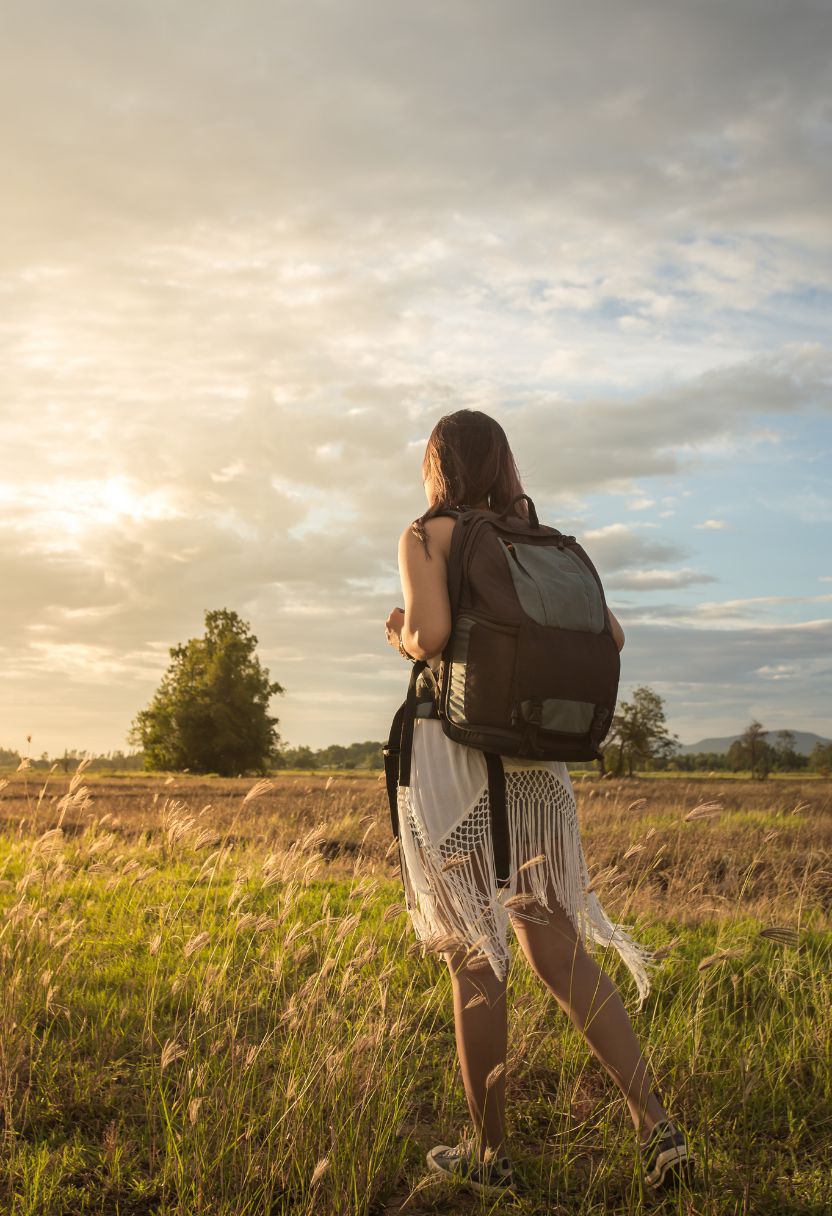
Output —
<point x="403" y="652"/>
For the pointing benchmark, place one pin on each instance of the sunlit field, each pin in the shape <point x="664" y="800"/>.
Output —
<point x="213" y="1002"/>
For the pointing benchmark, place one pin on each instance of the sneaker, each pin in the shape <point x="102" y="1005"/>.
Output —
<point x="460" y="1162"/>
<point x="665" y="1156"/>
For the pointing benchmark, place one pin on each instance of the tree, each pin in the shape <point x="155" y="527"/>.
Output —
<point x="639" y="731"/>
<point x="820" y="758"/>
<point x="786" y="757"/>
<point x="751" y="751"/>
<point x="211" y="710"/>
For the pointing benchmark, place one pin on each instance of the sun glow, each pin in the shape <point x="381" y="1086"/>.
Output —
<point x="63" y="512"/>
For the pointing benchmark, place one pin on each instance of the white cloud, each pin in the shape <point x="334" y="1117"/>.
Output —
<point x="260" y="250"/>
<point x="648" y="580"/>
<point x="716" y="525"/>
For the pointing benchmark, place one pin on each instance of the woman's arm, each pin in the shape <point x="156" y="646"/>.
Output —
<point x="617" y="631"/>
<point x="427" y="609"/>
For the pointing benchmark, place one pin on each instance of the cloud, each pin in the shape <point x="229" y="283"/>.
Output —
<point x="252" y="254"/>
<point x="649" y="580"/>
<point x="715" y="681"/>
<point x="717" y="525"/>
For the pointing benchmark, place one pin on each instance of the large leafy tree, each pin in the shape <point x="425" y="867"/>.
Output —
<point x="638" y="734"/>
<point x="210" y="712"/>
<point x="752" y="751"/>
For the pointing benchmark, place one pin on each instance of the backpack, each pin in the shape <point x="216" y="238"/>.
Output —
<point x="530" y="669"/>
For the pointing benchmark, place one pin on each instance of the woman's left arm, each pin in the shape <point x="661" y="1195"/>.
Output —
<point x="426" y="622"/>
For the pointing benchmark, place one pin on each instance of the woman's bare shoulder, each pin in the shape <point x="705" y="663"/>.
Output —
<point x="438" y="531"/>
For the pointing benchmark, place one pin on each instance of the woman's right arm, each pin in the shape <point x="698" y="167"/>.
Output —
<point x="617" y="631"/>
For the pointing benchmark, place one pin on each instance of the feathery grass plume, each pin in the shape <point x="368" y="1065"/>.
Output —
<point x="296" y="929"/>
<point x="172" y="1050"/>
<point x="206" y="837"/>
<point x="260" y="787"/>
<point x="704" y="810"/>
<point x="637" y="802"/>
<point x="327" y="965"/>
<point x="243" y="922"/>
<point x="473" y="949"/>
<point x="494" y="1075"/>
<point x="539" y="860"/>
<point x="363" y="889"/>
<point x="477" y="999"/>
<point x="610" y="874"/>
<point x="453" y="863"/>
<point x="49" y="842"/>
<point x="770" y="836"/>
<point x="347" y="924"/>
<point x="195" y="943"/>
<point x="329" y="782"/>
<point x="720" y="956"/>
<point x="393" y="847"/>
<point x="633" y="850"/>
<point x="436" y="943"/>
<point x="24" y="763"/>
<point x="130" y="865"/>
<point x="802" y="806"/>
<point x="153" y="948"/>
<point x="193" y="1110"/>
<point x="319" y="1171"/>
<point x="663" y="951"/>
<point x="518" y="906"/>
<point x="83" y="764"/>
<point x="392" y="912"/>
<point x="142" y="875"/>
<point x="102" y="843"/>
<point x="781" y="934"/>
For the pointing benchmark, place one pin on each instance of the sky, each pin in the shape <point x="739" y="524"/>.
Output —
<point x="253" y="251"/>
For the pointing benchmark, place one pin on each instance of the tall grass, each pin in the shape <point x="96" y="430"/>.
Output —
<point x="202" y="1013"/>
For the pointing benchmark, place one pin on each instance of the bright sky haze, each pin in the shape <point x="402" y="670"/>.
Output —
<point x="253" y="251"/>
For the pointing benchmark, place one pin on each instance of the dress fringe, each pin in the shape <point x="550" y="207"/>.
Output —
<point x="450" y="886"/>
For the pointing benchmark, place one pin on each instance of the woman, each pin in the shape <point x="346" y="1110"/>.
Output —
<point x="443" y="816"/>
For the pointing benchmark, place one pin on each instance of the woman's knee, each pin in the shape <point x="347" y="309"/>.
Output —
<point x="473" y="973"/>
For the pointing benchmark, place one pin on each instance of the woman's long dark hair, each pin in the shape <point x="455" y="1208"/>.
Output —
<point x="468" y="459"/>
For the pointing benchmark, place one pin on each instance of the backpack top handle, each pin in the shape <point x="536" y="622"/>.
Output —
<point x="533" y="520"/>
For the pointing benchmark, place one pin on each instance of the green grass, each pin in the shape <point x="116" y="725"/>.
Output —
<point x="147" y="1069"/>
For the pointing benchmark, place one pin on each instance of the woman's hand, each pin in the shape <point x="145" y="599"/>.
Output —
<point x="393" y="627"/>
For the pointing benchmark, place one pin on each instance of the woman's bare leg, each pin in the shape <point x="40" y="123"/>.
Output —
<point x="481" y="1042"/>
<point x="593" y="1004"/>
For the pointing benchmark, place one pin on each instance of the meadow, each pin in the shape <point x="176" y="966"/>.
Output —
<point x="212" y="1001"/>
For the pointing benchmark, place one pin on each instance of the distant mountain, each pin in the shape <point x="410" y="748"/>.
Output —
<point x="804" y="741"/>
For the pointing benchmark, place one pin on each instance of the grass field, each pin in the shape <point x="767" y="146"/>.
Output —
<point x="213" y="1002"/>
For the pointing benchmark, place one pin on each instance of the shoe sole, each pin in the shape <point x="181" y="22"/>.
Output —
<point x="674" y="1165"/>
<point x="485" y="1188"/>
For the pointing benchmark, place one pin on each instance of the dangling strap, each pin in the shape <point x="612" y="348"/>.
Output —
<point x="400" y="744"/>
<point x="499" y="817"/>
<point x="406" y="745"/>
<point x="391" y="766"/>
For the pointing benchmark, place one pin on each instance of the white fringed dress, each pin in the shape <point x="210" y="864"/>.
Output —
<point x="444" y="815"/>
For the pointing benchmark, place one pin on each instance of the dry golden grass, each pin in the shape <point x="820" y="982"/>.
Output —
<point x="664" y="845"/>
<point x="211" y="1000"/>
